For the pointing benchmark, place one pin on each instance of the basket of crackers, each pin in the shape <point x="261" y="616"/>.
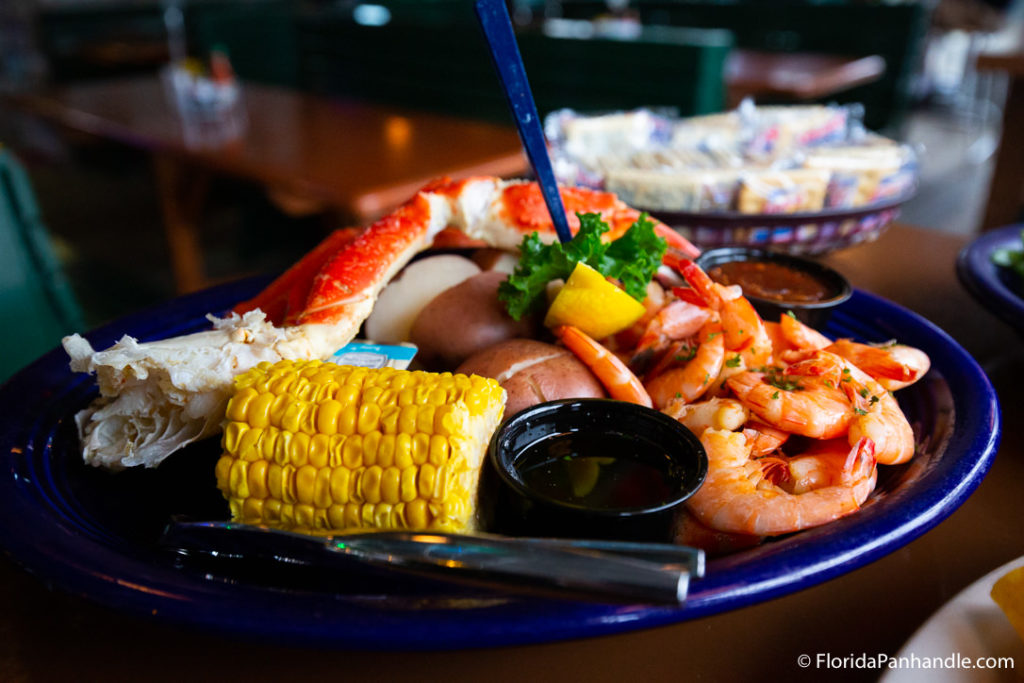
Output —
<point x="805" y="179"/>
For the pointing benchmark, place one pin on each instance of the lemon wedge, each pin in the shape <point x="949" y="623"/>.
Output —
<point x="593" y="304"/>
<point x="1008" y="593"/>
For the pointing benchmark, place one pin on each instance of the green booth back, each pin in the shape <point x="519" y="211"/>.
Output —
<point x="37" y="307"/>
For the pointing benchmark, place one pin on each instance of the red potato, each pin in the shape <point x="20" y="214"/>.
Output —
<point x="465" y="319"/>
<point x="404" y="297"/>
<point x="533" y="372"/>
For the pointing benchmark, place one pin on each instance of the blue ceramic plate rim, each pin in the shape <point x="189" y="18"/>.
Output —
<point x="41" y="530"/>
<point x="990" y="284"/>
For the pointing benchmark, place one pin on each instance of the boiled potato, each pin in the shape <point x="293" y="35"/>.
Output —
<point x="464" y="319"/>
<point x="404" y="297"/>
<point x="533" y="372"/>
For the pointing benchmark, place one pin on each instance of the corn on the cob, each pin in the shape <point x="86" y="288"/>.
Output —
<point x="317" y="447"/>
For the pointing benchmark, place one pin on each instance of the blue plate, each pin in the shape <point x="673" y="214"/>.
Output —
<point x="93" y="533"/>
<point x="999" y="289"/>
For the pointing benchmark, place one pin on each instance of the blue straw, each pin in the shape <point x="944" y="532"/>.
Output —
<point x="501" y="39"/>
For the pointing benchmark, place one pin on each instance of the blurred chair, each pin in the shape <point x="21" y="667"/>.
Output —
<point x="37" y="306"/>
<point x="448" y="67"/>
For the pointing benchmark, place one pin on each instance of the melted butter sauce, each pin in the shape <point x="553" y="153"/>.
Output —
<point x="599" y="470"/>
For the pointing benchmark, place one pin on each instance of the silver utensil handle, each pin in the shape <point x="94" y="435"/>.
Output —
<point x="562" y="568"/>
<point x="524" y="567"/>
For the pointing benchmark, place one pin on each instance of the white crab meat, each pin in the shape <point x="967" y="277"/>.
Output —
<point x="156" y="397"/>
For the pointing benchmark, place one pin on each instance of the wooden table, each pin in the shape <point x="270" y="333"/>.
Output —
<point x="1006" y="189"/>
<point x="796" y="76"/>
<point x="47" y="636"/>
<point x="359" y="158"/>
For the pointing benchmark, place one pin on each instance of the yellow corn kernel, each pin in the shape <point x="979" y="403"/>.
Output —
<point x="305" y="516"/>
<point x="238" y="406"/>
<point x="348" y="394"/>
<point x="281" y="447"/>
<point x="319" y="450"/>
<point x="403" y="450"/>
<point x="288" y="516"/>
<point x="237" y="481"/>
<point x="353" y="518"/>
<point x="389" y="419"/>
<point x="340" y="484"/>
<point x="322" y="488"/>
<point x="439" y="451"/>
<point x="305" y="484"/>
<point x="368" y="419"/>
<point x="233" y="432"/>
<point x="327" y="414"/>
<point x="258" y="479"/>
<point x="366" y="515"/>
<point x="371" y="443"/>
<point x="417" y="515"/>
<point x="390" y="481"/>
<point x="407" y="485"/>
<point x="291" y="414"/>
<point x="428" y="474"/>
<point x="406" y="419"/>
<point x="288" y="484"/>
<point x="257" y="411"/>
<point x="252" y="511"/>
<point x="420" y="448"/>
<point x="370" y="484"/>
<point x="272" y="510"/>
<point x="298" y="450"/>
<point x="223" y="470"/>
<point x="355" y="486"/>
<point x="382" y="516"/>
<point x="386" y="450"/>
<point x="336" y="517"/>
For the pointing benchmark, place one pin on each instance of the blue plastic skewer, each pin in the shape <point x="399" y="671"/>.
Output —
<point x="497" y="27"/>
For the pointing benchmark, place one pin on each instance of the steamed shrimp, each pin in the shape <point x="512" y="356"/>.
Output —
<point x="689" y="381"/>
<point x="677" y="320"/>
<point x="804" y="399"/>
<point x="712" y="413"/>
<point x="744" y="330"/>
<point x="737" y="498"/>
<point x="894" y="366"/>
<point x="620" y="382"/>
<point x="878" y="416"/>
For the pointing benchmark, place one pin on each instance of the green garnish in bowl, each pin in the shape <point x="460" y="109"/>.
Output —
<point x="1012" y="258"/>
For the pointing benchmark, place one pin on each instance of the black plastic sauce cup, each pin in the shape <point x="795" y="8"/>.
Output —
<point x="813" y="313"/>
<point x="516" y="507"/>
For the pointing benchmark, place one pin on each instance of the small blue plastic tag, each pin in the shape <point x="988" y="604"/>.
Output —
<point x="369" y="355"/>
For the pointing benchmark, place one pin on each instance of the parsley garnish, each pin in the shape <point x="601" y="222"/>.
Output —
<point x="632" y="259"/>
<point x="777" y="378"/>
<point x="691" y="352"/>
<point x="733" y="362"/>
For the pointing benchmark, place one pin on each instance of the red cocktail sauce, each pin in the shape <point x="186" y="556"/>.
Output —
<point x="771" y="281"/>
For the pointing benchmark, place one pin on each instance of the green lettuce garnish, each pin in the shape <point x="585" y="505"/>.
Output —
<point x="632" y="259"/>
<point x="1010" y="257"/>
